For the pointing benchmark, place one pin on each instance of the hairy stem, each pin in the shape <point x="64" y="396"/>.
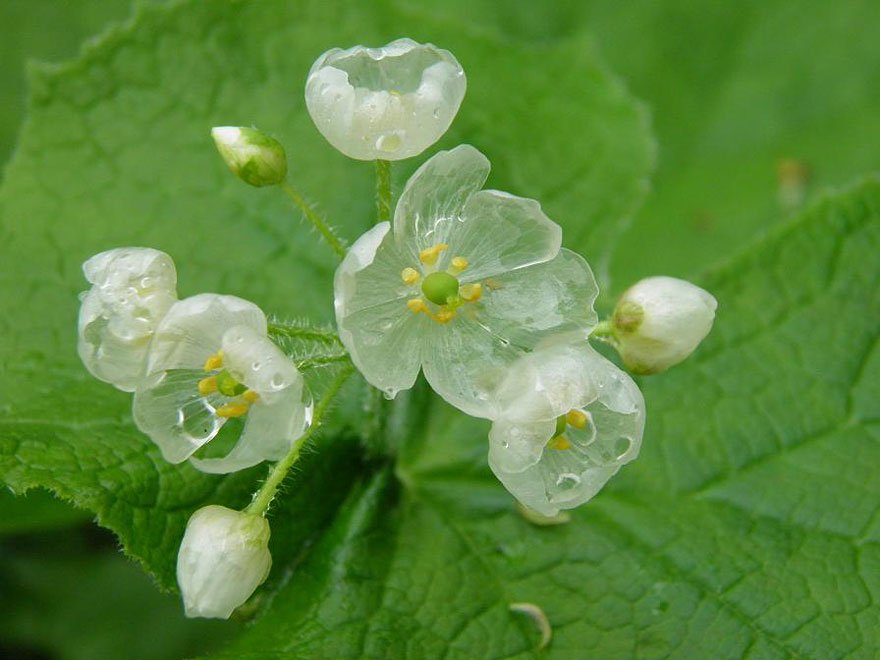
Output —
<point x="312" y="216"/>
<point x="383" y="191"/>
<point x="263" y="497"/>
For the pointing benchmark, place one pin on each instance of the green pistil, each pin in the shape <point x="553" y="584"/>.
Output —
<point x="561" y="425"/>
<point x="440" y="287"/>
<point x="228" y="386"/>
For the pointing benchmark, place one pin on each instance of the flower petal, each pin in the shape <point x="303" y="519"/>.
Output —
<point x="501" y="232"/>
<point x="527" y="305"/>
<point x="380" y="333"/>
<point x="569" y="476"/>
<point x="430" y="207"/>
<point x="168" y="408"/>
<point x="253" y="360"/>
<point x="464" y="362"/>
<point x="193" y="330"/>
<point x="132" y="290"/>
<point x="268" y="434"/>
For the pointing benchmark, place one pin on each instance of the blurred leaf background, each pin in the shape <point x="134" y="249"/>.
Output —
<point x="757" y="109"/>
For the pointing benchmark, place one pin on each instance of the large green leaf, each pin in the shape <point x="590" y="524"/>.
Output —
<point x="117" y="152"/>
<point x="748" y="527"/>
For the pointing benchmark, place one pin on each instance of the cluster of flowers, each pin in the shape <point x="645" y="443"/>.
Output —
<point x="471" y="287"/>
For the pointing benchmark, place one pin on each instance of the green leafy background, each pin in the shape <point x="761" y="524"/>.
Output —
<point x="748" y="527"/>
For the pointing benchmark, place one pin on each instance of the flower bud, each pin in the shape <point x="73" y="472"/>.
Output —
<point x="659" y="321"/>
<point x="386" y="103"/>
<point x="223" y="558"/>
<point x="253" y="156"/>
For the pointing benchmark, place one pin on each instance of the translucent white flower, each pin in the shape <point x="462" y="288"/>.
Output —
<point x="210" y="362"/>
<point x="132" y="289"/>
<point x="385" y="103"/>
<point x="251" y="155"/>
<point x="466" y="282"/>
<point x="569" y="419"/>
<point x="659" y="321"/>
<point x="223" y="558"/>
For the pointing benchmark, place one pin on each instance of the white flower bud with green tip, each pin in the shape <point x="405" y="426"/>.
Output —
<point x="386" y="103"/>
<point x="460" y="286"/>
<point x="569" y="420"/>
<point x="132" y="289"/>
<point x="659" y="321"/>
<point x="223" y="558"/>
<point x="251" y="155"/>
<point x="211" y="361"/>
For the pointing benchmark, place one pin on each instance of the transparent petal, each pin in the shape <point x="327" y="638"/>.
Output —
<point x="268" y="434"/>
<point x="527" y="305"/>
<point x="385" y="103"/>
<point x="566" y="477"/>
<point x="133" y="288"/>
<point x="380" y="333"/>
<point x="500" y="232"/>
<point x="516" y="446"/>
<point x="464" y="361"/>
<point x="431" y="205"/>
<point x="193" y="330"/>
<point x="169" y="409"/>
<point x="253" y="360"/>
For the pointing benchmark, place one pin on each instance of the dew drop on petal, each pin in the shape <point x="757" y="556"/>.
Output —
<point x="567" y="480"/>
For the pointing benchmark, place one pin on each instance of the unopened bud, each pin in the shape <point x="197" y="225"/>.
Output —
<point x="223" y="558"/>
<point x="253" y="156"/>
<point x="659" y="321"/>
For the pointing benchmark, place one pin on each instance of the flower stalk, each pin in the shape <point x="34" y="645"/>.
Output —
<point x="317" y="221"/>
<point x="383" y="191"/>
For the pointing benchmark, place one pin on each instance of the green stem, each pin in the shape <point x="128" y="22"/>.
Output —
<point x="298" y="332"/>
<point x="322" y="360"/>
<point x="263" y="497"/>
<point x="383" y="191"/>
<point x="312" y="216"/>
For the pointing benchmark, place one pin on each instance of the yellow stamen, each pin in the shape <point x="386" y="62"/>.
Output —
<point x="232" y="410"/>
<point x="493" y="284"/>
<point x="250" y="396"/>
<point x="409" y="276"/>
<point x="559" y="442"/>
<point x="458" y="264"/>
<point x="471" y="292"/>
<point x="445" y="315"/>
<point x="208" y="385"/>
<point x="417" y="305"/>
<point x="214" y="362"/>
<point x="429" y="256"/>
<point x="577" y="419"/>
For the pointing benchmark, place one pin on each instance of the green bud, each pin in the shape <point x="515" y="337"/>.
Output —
<point x="439" y="287"/>
<point x="253" y="156"/>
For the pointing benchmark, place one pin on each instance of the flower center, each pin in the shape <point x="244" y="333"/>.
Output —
<point x="441" y="288"/>
<point x="220" y="380"/>
<point x="577" y="419"/>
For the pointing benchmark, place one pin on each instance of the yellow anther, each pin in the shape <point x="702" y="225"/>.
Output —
<point x="445" y="315"/>
<point x="429" y="256"/>
<point x="214" y="362"/>
<point x="577" y="419"/>
<point x="410" y="276"/>
<point x="417" y="305"/>
<point x="560" y="442"/>
<point x="208" y="385"/>
<point x="471" y="292"/>
<point x="232" y="410"/>
<point x="459" y="264"/>
<point x="250" y="396"/>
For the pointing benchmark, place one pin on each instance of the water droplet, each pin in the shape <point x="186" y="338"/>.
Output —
<point x="436" y="113"/>
<point x="505" y="444"/>
<point x="256" y="365"/>
<point x="277" y="381"/>
<point x="567" y="481"/>
<point x="389" y="142"/>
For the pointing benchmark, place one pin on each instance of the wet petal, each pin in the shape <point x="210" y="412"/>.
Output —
<point x="501" y="232"/>
<point x="380" y="333"/>
<point x="430" y="208"/>
<point x="269" y="431"/>
<point x="169" y="409"/>
<point x="253" y="360"/>
<point x="193" y="330"/>
<point x="516" y="446"/>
